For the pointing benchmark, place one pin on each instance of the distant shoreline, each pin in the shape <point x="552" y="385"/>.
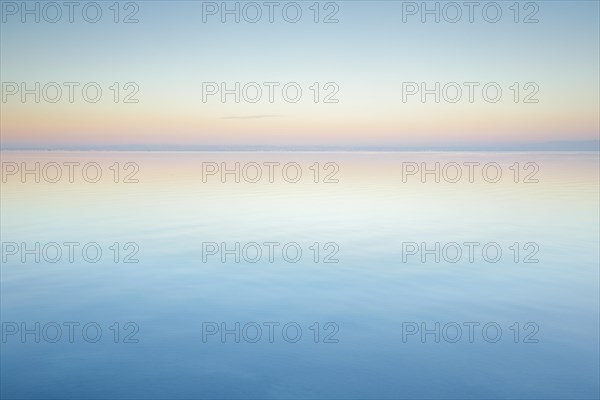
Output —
<point x="552" y="146"/>
<point x="582" y="149"/>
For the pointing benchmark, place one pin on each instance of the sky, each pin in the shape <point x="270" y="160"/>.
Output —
<point x="361" y="75"/>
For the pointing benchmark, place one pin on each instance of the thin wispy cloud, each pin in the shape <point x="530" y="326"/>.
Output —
<point x="250" y="116"/>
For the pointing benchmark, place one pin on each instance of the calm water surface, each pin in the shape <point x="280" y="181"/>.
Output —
<point x="365" y="304"/>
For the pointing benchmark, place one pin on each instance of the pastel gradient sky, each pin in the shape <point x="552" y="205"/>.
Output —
<point x="368" y="54"/>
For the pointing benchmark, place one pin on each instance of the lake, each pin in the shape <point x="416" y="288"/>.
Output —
<point x="300" y="275"/>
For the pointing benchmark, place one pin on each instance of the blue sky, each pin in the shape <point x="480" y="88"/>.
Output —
<point x="368" y="55"/>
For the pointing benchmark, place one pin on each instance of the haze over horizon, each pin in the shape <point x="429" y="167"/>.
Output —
<point x="590" y="145"/>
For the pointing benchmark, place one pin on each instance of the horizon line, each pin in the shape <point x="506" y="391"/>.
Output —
<point x="582" y="145"/>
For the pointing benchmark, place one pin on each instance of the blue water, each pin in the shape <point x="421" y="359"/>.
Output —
<point x="171" y="296"/>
